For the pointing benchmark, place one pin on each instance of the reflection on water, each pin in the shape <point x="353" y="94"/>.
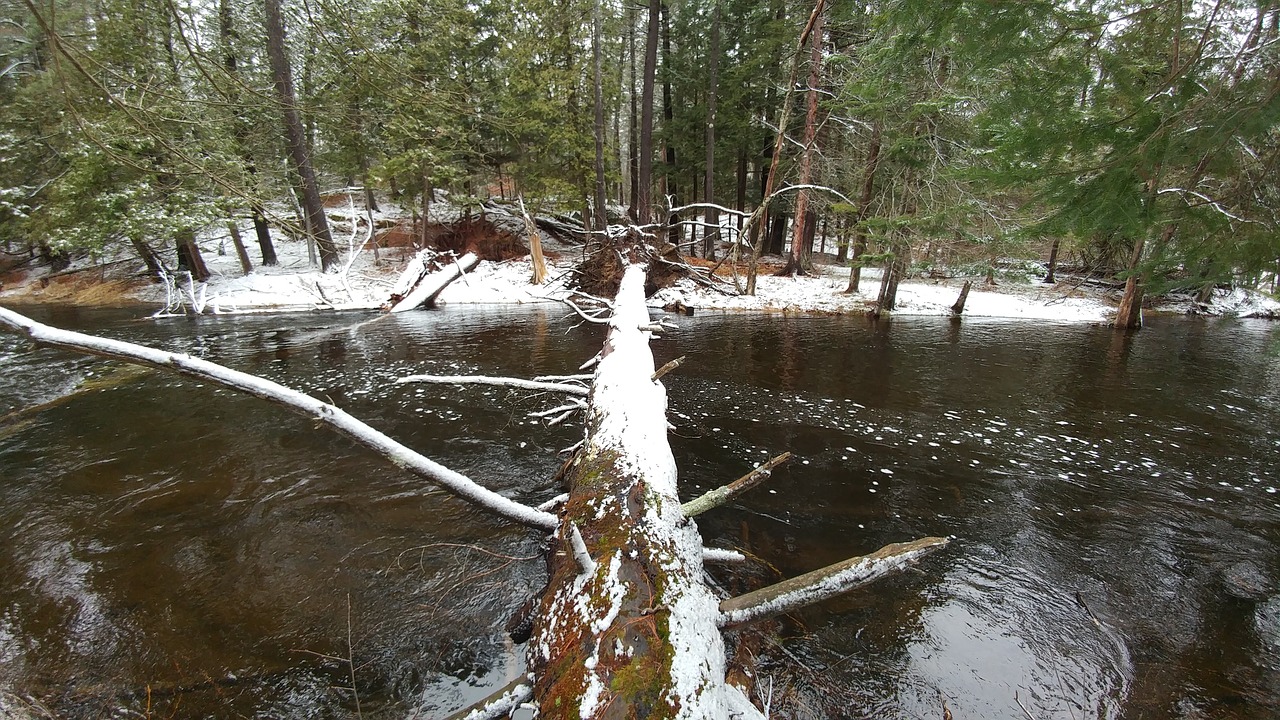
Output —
<point x="183" y="549"/>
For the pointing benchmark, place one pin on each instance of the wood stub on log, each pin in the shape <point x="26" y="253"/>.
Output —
<point x="721" y="495"/>
<point x="826" y="582"/>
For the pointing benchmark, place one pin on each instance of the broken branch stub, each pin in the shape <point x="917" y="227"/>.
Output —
<point x="825" y="583"/>
<point x="721" y="495"/>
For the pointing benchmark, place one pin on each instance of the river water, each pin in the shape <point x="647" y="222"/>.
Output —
<point x="173" y="550"/>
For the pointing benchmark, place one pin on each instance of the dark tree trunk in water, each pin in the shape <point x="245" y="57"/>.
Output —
<point x="893" y="271"/>
<point x="1129" y="316"/>
<point x="295" y="136"/>
<point x="1053" y="261"/>
<point x="958" y="307"/>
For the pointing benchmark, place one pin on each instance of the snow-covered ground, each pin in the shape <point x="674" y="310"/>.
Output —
<point x="363" y="282"/>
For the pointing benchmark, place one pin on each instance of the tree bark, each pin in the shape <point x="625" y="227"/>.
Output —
<point x="633" y="153"/>
<point x="671" y="197"/>
<point x="864" y="208"/>
<point x="189" y="256"/>
<point x="246" y="265"/>
<point x="958" y="307"/>
<point x="644" y="177"/>
<point x="601" y="202"/>
<point x="711" y="233"/>
<point x="1053" y="261"/>
<point x="295" y="136"/>
<point x="798" y="260"/>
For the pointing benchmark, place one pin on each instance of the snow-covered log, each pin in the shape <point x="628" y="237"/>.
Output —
<point x="639" y="632"/>
<point x="415" y="293"/>
<point x="300" y="403"/>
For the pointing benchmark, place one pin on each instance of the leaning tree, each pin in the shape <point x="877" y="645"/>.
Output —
<point x="626" y="626"/>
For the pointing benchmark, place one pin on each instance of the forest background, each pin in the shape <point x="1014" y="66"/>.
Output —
<point x="1137" y="139"/>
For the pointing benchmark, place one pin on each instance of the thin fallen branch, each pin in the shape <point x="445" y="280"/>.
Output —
<point x="497" y="381"/>
<point x="721" y="495"/>
<point x="825" y="583"/>
<point x="305" y="405"/>
<point x="668" y="367"/>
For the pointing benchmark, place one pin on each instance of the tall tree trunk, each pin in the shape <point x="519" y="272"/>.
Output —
<point x="711" y="233"/>
<point x="669" y="184"/>
<point x="644" y="179"/>
<point x="246" y="265"/>
<point x="295" y="137"/>
<point x="633" y="152"/>
<point x="742" y="184"/>
<point x="1053" y="261"/>
<point x="189" y="256"/>
<point x="864" y="208"/>
<point x="263" y="233"/>
<point x="601" y="209"/>
<point x="426" y="203"/>
<point x="154" y="266"/>
<point x="798" y="260"/>
<point x="228" y="37"/>
<point x="1129" y="316"/>
<point x="779" y="139"/>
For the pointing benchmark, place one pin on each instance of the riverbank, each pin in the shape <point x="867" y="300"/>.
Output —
<point x="364" y="282"/>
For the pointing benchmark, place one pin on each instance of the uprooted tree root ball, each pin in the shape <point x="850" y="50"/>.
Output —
<point x="601" y="270"/>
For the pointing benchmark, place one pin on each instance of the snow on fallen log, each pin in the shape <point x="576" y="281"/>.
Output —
<point x="640" y="630"/>
<point x="298" y="402"/>
<point x="825" y="583"/>
<point x="422" y="291"/>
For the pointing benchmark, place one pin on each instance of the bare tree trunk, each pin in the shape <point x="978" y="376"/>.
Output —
<point x="601" y="202"/>
<point x="246" y="265"/>
<point x="644" y="179"/>
<point x="189" y="256"/>
<point x="711" y="233"/>
<point x="864" y="208"/>
<point x="669" y="185"/>
<point x="154" y="266"/>
<point x="767" y="195"/>
<point x="295" y="137"/>
<point x="797" y="261"/>
<point x="228" y="37"/>
<point x="1053" y="261"/>
<point x="633" y="153"/>
<point x="426" y="204"/>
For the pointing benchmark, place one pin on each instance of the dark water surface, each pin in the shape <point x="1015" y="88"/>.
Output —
<point x="173" y="550"/>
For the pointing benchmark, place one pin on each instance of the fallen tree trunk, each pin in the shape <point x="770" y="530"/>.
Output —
<point x="419" y="287"/>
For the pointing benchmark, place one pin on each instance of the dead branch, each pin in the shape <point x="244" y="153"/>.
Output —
<point x="497" y="381"/>
<point x="429" y="286"/>
<point x="721" y="495"/>
<point x="498" y="705"/>
<point x="305" y="405"/>
<point x="825" y="583"/>
<point x="668" y="367"/>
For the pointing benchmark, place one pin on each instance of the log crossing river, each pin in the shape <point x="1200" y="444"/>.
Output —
<point x="181" y="551"/>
